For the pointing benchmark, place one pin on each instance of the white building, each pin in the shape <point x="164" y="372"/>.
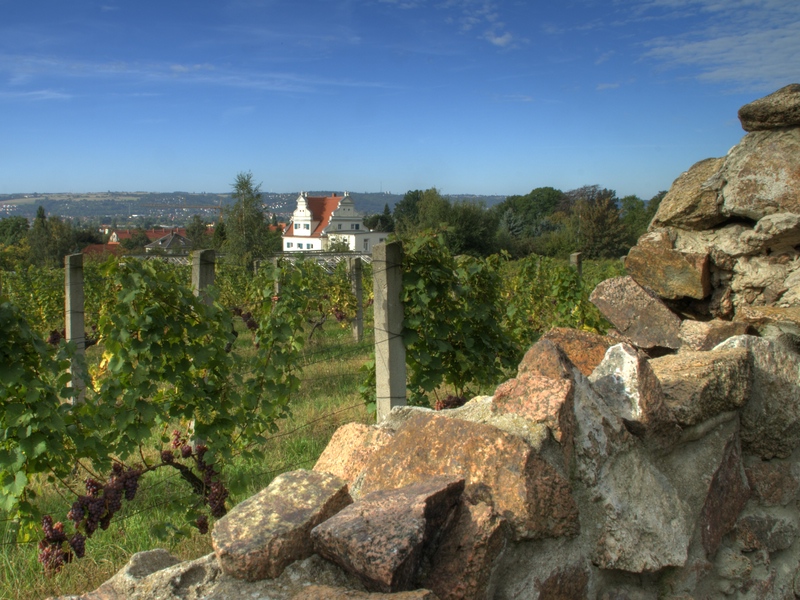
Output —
<point x="318" y="221"/>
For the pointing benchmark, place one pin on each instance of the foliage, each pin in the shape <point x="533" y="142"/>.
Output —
<point x="49" y="240"/>
<point x="380" y="221"/>
<point x="452" y="315"/>
<point x="136" y="242"/>
<point x="248" y="237"/>
<point x="196" y="232"/>
<point x="13" y="230"/>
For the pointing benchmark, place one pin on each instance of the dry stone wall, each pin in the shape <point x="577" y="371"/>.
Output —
<point x="660" y="461"/>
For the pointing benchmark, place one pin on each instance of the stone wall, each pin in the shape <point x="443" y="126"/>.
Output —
<point x="660" y="461"/>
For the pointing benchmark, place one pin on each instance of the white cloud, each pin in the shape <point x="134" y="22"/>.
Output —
<point x="35" y="95"/>
<point x="606" y="86"/>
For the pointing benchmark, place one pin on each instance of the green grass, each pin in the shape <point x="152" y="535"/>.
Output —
<point x="328" y="398"/>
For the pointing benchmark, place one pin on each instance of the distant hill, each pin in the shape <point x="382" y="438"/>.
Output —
<point x="177" y="207"/>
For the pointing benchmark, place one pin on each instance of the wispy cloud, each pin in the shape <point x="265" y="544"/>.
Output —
<point x="35" y="95"/>
<point x="606" y="86"/>
<point x="751" y="44"/>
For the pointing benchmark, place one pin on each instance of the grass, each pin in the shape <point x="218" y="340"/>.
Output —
<point x="328" y="398"/>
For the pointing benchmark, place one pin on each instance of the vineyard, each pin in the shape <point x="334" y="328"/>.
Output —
<point x="192" y="404"/>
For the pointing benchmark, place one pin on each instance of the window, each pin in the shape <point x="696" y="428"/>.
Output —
<point x="297" y="225"/>
<point x="288" y="244"/>
<point x="353" y="225"/>
<point x="381" y="240"/>
<point x="306" y="226"/>
<point x="308" y="246"/>
<point x="339" y="226"/>
<point x="366" y="245"/>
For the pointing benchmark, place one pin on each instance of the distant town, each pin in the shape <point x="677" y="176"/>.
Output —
<point x="176" y="208"/>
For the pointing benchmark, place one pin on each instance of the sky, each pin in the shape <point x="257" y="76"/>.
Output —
<point x="468" y="96"/>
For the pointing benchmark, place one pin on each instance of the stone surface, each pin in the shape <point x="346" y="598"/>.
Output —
<point x="645" y="525"/>
<point x="761" y="175"/>
<point x="584" y="349"/>
<point x="784" y="319"/>
<point x="705" y="335"/>
<point x="325" y="592"/>
<point x="669" y="273"/>
<point x="726" y="498"/>
<point x="764" y="530"/>
<point x="773" y="483"/>
<point x="525" y="489"/>
<point x="779" y="109"/>
<point x="270" y="530"/>
<point x="631" y="389"/>
<point x="349" y="449"/>
<point x="692" y="202"/>
<point x="202" y="579"/>
<point x="700" y="385"/>
<point x="542" y="390"/>
<point x="771" y="417"/>
<point x="637" y="314"/>
<point x="384" y="537"/>
<point x="468" y="555"/>
<point x="564" y="584"/>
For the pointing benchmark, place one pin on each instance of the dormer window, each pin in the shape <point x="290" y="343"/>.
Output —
<point x="306" y="226"/>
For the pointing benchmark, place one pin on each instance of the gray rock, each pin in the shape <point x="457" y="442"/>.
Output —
<point x="692" y="202"/>
<point x="671" y="274"/>
<point x="779" y="109"/>
<point x="699" y="385"/>
<point x="762" y="175"/>
<point x="771" y="417"/>
<point x="705" y="335"/>
<point x="259" y="537"/>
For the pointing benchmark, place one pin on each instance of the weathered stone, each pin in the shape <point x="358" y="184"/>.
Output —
<point x="761" y="175"/>
<point x="784" y="319"/>
<point x="637" y="314"/>
<point x="726" y="498"/>
<point x="776" y="234"/>
<point x="383" y="538"/>
<point x="525" y="488"/>
<point x="669" y="273"/>
<point x="779" y="109"/>
<point x="124" y="583"/>
<point x="730" y="564"/>
<point x="584" y="349"/>
<point x="700" y="385"/>
<point x="757" y="272"/>
<point x="645" y="525"/>
<point x="350" y="447"/>
<point x="325" y="592"/>
<point x="771" y="417"/>
<point x="774" y="483"/>
<point x="704" y="335"/>
<point x="631" y="389"/>
<point x="539" y="399"/>
<point x="545" y="359"/>
<point x="723" y="245"/>
<point x="468" y="554"/>
<point x="270" y="530"/>
<point x="564" y="584"/>
<point x="692" y="203"/>
<point x="480" y="409"/>
<point x="765" y="530"/>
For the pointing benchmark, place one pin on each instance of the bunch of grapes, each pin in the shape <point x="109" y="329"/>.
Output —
<point x="52" y="554"/>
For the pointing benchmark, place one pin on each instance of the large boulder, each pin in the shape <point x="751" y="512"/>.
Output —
<point x="761" y="175"/>
<point x="525" y="488"/>
<point x="259" y="537"/>
<point x="692" y="202"/>
<point x="671" y="274"/>
<point x="584" y="349"/>
<point x="779" y="109"/>
<point x="771" y="417"/>
<point x="637" y="313"/>
<point x="383" y="538"/>
<point x="349" y="449"/>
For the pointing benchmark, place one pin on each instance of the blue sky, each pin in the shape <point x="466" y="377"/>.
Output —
<point x="470" y="96"/>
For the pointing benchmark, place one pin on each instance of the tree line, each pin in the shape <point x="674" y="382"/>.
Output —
<point x="546" y="221"/>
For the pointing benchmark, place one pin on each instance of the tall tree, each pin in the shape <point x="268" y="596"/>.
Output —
<point x="49" y="240"/>
<point x="13" y="230"/>
<point x="248" y="237"/>
<point x="405" y="212"/>
<point x="196" y="232"/>
<point x="380" y="222"/>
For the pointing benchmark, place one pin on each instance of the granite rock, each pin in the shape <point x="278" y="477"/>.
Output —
<point x="779" y="109"/>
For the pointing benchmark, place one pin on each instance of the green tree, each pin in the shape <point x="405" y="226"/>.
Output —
<point x="49" y="240"/>
<point x="13" y="230"/>
<point x="136" y="242"/>
<point x="406" y="211"/>
<point x="380" y="222"/>
<point x="471" y="229"/>
<point x="248" y="236"/>
<point x="601" y="232"/>
<point x="196" y="232"/>
<point x="219" y="237"/>
<point x="634" y="216"/>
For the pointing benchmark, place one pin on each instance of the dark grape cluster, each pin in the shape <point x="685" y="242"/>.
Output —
<point x="52" y="553"/>
<point x="202" y="524"/>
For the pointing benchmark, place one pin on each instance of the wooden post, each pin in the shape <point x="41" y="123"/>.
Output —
<point x="390" y="354"/>
<point x="203" y="272"/>
<point x="355" y="269"/>
<point x="75" y="325"/>
<point x="576" y="261"/>
<point x="276" y="286"/>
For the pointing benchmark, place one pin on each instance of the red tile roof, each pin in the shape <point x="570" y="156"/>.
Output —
<point x="322" y="208"/>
